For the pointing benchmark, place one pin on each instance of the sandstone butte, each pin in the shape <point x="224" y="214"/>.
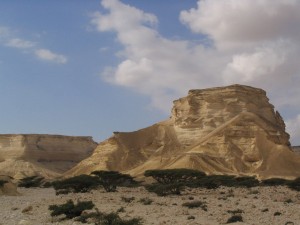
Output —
<point x="49" y="156"/>
<point x="223" y="130"/>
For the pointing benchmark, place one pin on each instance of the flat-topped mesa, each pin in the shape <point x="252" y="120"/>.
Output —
<point x="224" y="130"/>
<point x="211" y="107"/>
<point x="204" y="110"/>
<point x="41" y="154"/>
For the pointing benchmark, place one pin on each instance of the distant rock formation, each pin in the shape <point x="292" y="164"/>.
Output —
<point x="45" y="155"/>
<point x="224" y="130"/>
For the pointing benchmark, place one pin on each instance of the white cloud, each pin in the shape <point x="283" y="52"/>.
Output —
<point x="261" y="63"/>
<point x="241" y="22"/>
<point x="152" y="64"/>
<point x="9" y="38"/>
<point x="19" y="43"/>
<point x="254" y="42"/>
<point x="47" y="55"/>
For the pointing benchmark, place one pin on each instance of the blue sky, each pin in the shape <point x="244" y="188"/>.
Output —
<point x="93" y="67"/>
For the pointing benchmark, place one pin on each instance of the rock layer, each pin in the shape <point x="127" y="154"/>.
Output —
<point x="46" y="155"/>
<point x="225" y="130"/>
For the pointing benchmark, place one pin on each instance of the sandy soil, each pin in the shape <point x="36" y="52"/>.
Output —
<point x="259" y="205"/>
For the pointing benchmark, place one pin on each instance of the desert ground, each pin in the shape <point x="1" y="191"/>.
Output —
<point x="258" y="205"/>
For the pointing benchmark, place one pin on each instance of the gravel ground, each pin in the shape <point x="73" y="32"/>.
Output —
<point x="258" y="205"/>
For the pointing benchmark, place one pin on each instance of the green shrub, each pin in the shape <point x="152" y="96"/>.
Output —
<point x="32" y="181"/>
<point x="191" y="218"/>
<point x="246" y="182"/>
<point x="195" y="204"/>
<point x="214" y="181"/>
<point x="274" y="182"/>
<point x="294" y="184"/>
<point x="100" y="218"/>
<point x="2" y="182"/>
<point x="171" y="176"/>
<point x="47" y="184"/>
<point x="172" y="181"/>
<point x="114" y="219"/>
<point x="111" y="179"/>
<point x="82" y="183"/>
<point x="277" y="214"/>
<point x="69" y="209"/>
<point x="235" y="218"/>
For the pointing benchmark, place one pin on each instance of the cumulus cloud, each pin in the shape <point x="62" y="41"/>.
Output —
<point x="47" y="55"/>
<point x="241" y="22"/>
<point x="153" y="65"/>
<point x="253" y="42"/>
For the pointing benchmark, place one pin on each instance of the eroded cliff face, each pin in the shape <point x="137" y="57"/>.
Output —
<point x="45" y="155"/>
<point x="225" y="130"/>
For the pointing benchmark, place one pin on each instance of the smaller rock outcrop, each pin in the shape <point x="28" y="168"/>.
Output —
<point x="8" y="187"/>
<point x="49" y="156"/>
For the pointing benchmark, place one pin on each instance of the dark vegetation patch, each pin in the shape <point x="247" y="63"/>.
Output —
<point x="174" y="181"/>
<point x="110" y="180"/>
<point x="78" y="211"/>
<point x="78" y="184"/>
<point x="234" y="219"/>
<point x="2" y="182"/>
<point x="69" y="209"/>
<point x="195" y="204"/>
<point x="32" y="181"/>
<point x="171" y="181"/>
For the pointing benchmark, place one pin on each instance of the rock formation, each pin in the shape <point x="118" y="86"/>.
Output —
<point x="46" y="155"/>
<point x="224" y="130"/>
<point x="8" y="188"/>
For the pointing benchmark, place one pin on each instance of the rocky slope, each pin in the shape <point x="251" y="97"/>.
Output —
<point x="224" y="130"/>
<point x="45" y="155"/>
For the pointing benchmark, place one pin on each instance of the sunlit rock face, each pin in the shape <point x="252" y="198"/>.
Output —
<point x="224" y="130"/>
<point x="46" y="155"/>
